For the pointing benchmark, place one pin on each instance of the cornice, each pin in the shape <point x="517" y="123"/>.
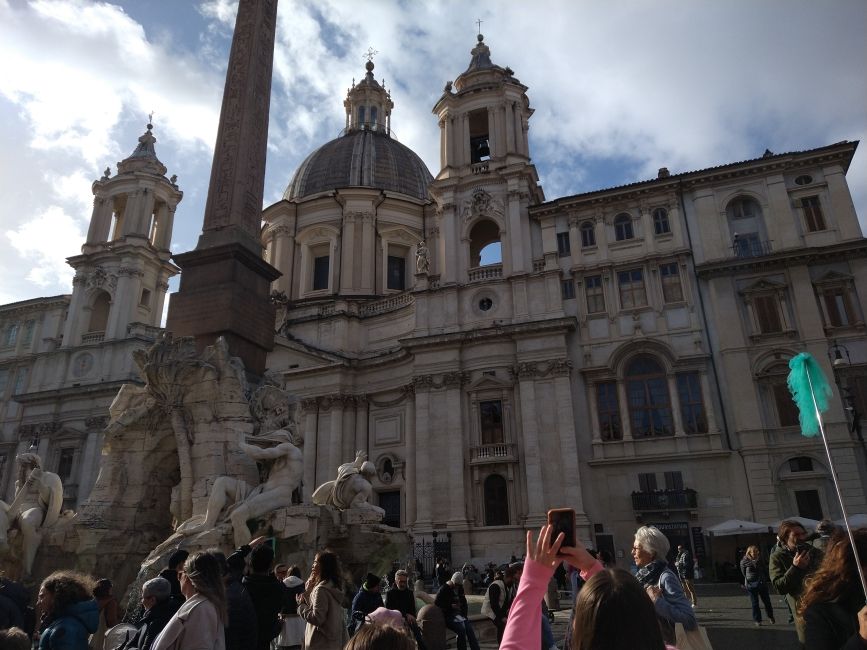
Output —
<point x="783" y="259"/>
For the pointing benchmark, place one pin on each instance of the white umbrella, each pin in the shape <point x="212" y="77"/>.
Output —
<point x="736" y="527"/>
<point x="806" y="523"/>
<point x="855" y="521"/>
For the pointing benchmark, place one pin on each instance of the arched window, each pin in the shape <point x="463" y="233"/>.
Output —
<point x="648" y="398"/>
<point x="660" y="221"/>
<point x="485" y="244"/>
<point x="588" y="234"/>
<point x="746" y="227"/>
<point x="99" y="312"/>
<point x="496" y="501"/>
<point x="776" y="379"/>
<point x="623" y="227"/>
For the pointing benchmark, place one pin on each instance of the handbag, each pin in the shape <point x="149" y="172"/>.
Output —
<point x="691" y="639"/>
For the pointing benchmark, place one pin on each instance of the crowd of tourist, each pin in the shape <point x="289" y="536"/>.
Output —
<point x="207" y="601"/>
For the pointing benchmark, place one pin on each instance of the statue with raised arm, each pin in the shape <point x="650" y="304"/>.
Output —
<point x="36" y="506"/>
<point x="351" y="489"/>
<point x="234" y="500"/>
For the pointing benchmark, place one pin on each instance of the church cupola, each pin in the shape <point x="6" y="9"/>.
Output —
<point x="483" y="117"/>
<point x="121" y="276"/>
<point x="368" y="104"/>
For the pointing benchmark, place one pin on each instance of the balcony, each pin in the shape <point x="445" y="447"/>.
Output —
<point x="489" y="272"/>
<point x="662" y="500"/>
<point x="746" y="247"/>
<point x="501" y="452"/>
<point x="92" y="337"/>
<point x="479" y="167"/>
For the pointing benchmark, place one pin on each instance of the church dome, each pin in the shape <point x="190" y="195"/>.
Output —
<point x="365" y="155"/>
<point x="361" y="158"/>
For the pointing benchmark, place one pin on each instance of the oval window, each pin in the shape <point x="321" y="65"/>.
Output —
<point x="803" y="179"/>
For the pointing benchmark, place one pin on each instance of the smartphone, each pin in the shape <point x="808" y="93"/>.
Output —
<point x="563" y="521"/>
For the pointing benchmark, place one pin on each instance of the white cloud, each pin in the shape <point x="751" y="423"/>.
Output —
<point x="45" y="242"/>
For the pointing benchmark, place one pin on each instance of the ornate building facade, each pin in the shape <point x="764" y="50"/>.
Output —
<point x="622" y="351"/>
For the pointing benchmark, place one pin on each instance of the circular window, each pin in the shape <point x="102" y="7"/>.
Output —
<point x="803" y="179"/>
<point x="485" y="304"/>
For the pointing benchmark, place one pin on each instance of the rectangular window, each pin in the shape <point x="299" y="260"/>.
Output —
<point x="595" y="294"/>
<point x="813" y="213"/>
<point x="809" y="504"/>
<point x="647" y="482"/>
<point x="767" y="310"/>
<point x="4" y="380"/>
<point x="396" y="272"/>
<point x="320" y="272"/>
<point x="145" y="299"/>
<point x="563" y="246"/>
<point x="608" y="409"/>
<point x="20" y="381"/>
<point x="588" y="234"/>
<point x="64" y="464"/>
<point x="672" y="291"/>
<point x="673" y="481"/>
<point x="837" y="307"/>
<point x="29" y="326"/>
<point x="361" y="116"/>
<point x="491" y="422"/>
<point x="787" y="412"/>
<point x="632" y="293"/>
<point x="801" y="464"/>
<point x="390" y="502"/>
<point x="568" y="289"/>
<point x="691" y="402"/>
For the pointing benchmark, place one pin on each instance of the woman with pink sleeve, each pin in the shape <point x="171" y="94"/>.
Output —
<point x="610" y="598"/>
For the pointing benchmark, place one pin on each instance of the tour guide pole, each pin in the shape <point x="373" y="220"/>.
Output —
<point x="810" y="391"/>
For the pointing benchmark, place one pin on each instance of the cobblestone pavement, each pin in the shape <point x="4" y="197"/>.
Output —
<point x="724" y="610"/>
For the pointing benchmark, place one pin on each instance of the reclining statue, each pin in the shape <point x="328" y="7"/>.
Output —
<point x="36" y="506"/>
<point x="351" y="489"/>
<point x="238" y="502"/>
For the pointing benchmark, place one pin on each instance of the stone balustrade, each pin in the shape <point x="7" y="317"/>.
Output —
<point x="489" y="272"/>
<point x="501" y="452"/>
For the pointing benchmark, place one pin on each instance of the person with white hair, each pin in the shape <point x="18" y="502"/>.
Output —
<point x="662" y="585"/>
<point x="451" y="600"/>
<point x="159" y="607"/>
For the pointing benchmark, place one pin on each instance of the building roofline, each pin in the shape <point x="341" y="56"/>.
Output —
<point x="34" y="301"/>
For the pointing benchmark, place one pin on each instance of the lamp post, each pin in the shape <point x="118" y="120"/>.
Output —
<point x="839" y="356"/>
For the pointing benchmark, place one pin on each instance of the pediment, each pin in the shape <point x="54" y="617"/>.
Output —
<point x="400" y="235"/>
<point x="486" y="382"/>
<point x="763" y="286"/>
<point x="831" y="277"/>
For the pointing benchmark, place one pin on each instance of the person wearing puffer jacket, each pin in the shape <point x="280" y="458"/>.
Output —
<point x="69" y="613"/>
<point x="321" y="605"/>
<point x="607" y="599"/>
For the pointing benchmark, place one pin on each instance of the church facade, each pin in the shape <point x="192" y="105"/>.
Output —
<point x="622" y="352"/>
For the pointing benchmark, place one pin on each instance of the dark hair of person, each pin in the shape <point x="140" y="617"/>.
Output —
<point x="14" y="638"/>
<point x="177" y="558"/>
<point x="294" y="570"/>
<point x="837" y="576"/>
<point x="67" y="588"/>
<point x="261" y="559"/>
<point x="327" y="568"/>
<point x="607" y="600"/>
<point x="102" y="588"/>
<point x="376" y="636"/>
<point x="786" y="528"/>
<point x="204" y="571"/>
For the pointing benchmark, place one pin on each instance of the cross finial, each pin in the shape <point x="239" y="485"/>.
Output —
<point x="370" y="54"/>
<point x="479" y="23"/>
<point x="150" y="120"/>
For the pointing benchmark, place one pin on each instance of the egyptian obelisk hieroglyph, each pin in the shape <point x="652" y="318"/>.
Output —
<point x="225" y="283"/>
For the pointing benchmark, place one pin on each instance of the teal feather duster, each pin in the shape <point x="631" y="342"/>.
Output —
<point x="804" y="371"/>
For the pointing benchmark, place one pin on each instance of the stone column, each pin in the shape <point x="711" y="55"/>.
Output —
<point x="674" y="398"/>
<point x="347" y="253"/>
<point x="568" y="445"/>
<point x="410" y="478"/>
<point x="368" y="236"/>
<point x="100" y="220"/>
<point x="466" y="156"/>
<point x="536" y="514"/>
<point x="311" y="421"/>
<point x="335" y="440"/>
<point x="86" y="473"/>
<point x="510" y="127"/>
<point x="361" y="424"/>
<point x="593" y="414"/>
<point x="708" y="403"/>
<point x="455" y="462"/>
<point x="623" y="405"/>
<point x="423" y="461"/>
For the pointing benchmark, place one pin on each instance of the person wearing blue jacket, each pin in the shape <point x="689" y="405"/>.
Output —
<point x="69" y="614"/>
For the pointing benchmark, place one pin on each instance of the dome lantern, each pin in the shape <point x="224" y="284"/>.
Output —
<point x="368" y="104"/>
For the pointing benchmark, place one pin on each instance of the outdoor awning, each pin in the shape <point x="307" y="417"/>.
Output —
<point x="736" y="527"/>
<point x="856" y="521"/>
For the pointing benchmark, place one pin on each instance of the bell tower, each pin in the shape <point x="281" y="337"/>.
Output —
<point x="486" y="181"/>
<point x="121" y="276"/>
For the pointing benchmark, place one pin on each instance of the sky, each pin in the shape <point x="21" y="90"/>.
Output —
<point x="619" y="88"/>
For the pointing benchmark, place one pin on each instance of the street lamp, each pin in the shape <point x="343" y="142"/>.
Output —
<point x="839" y="356"/>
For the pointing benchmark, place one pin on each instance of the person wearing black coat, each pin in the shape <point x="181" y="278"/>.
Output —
<point x="451" y="600"/>
<point x="367" y="600"/>
<point x="159" y="607"/>
<point x="268" y="594"/>
<point x="242" y="628"/>
<point x="170" y="573"/>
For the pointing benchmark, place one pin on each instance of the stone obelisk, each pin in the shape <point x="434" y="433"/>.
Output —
<point x="225" y="283"/>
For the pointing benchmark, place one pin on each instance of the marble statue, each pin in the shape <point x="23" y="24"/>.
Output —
<point x="36" y="506"/>
<point x="242" y="502"/>
<point x="351" y="489"/>
<point x="422" y="258"/>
